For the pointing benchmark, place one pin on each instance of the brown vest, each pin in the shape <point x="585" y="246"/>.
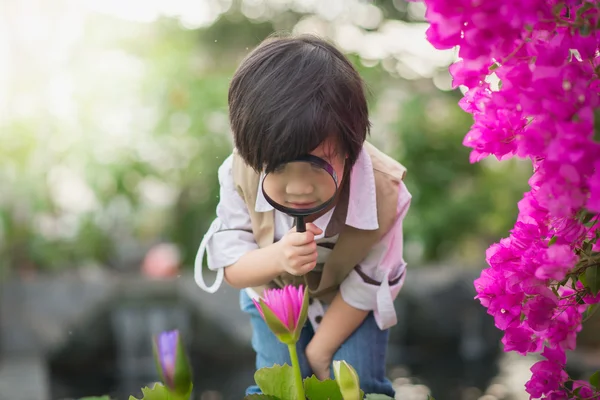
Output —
<point x="352" y="245"/>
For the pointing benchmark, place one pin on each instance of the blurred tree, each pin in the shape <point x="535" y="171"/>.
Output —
<point x="459" y="208"/>
<point x="136" y="161"/>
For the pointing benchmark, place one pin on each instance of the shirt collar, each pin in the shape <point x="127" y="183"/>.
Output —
<point x="362" y="201"/>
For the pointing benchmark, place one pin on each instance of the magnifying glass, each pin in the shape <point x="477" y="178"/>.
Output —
<point x="301" y="187"/>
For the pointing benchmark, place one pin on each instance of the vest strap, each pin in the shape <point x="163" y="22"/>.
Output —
<point x="198" y="262"/>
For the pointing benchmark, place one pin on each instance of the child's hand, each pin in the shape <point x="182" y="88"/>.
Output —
<point x="299" y="250"/>
<point x="319" y="360"/>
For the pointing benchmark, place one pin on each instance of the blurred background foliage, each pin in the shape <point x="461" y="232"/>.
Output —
<point x="113" y="123"/>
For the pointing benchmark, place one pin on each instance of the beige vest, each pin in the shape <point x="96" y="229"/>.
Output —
<point x="352" y="245"/>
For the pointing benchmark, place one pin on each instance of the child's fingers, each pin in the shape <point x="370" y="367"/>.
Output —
<point x="309" y="248"/>
<point x="313" y="228"/>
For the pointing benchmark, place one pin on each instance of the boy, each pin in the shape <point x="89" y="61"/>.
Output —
<point x="293" y="96"/>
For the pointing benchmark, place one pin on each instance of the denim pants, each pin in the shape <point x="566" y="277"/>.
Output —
<point x="365" y="350"/>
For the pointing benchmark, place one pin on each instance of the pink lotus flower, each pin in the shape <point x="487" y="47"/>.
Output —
<point x="284" y="311"/>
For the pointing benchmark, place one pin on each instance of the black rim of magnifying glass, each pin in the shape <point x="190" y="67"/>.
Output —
<point x="302" y="212"/>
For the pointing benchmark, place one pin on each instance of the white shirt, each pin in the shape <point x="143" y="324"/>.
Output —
<point x="230" y="237"/>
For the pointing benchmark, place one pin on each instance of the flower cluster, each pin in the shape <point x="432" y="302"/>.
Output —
<point x="544" y="278"/>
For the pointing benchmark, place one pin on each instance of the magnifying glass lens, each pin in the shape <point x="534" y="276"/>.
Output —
<point x="301" y="187"/>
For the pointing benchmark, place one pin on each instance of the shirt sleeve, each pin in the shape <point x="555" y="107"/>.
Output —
<point x="229" y="236"/>
<point x="375" y="283"/>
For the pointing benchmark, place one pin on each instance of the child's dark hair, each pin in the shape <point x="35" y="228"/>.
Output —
<point x="289" y="95"/>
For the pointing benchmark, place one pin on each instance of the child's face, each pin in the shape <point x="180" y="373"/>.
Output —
<point x="303" y="185"/>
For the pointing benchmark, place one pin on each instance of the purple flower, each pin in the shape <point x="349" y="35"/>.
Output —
<point x="520" y="339"/>
<point x="593" y="201"/>
<point x="539" y="312"/>
<point x="547" y="377"/>
<point x="172" y="363"/>
<point x="556" y="261"/>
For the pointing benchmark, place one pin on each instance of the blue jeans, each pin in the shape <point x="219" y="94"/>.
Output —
<point x="364" y="350"/>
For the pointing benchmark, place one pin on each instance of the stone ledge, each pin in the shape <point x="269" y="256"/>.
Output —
<point x="24" y="378"/>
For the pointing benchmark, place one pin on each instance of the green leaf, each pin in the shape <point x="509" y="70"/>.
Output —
<point x="278" y="381"/>
<point x="160" y="392"/>
<point x="581" y="279"/>
<point x="373" y="396"/>
<point x="595" y="380"/>
<point x="583" y="9"/>
<point x="317" y="390"/>
<point x="183" y="371"/>
<point x="590" y="311"/>
<point x="261" y="397"/>
<point x="586" y="217"/>
<point x="275" y="325"/>
<point x="303" y="315"/>
<point x="552" y="241"/>
<point x="592" y="278"/>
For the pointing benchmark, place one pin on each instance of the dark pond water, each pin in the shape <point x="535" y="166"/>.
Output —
<point x="445" y="377"/>
<point x="113" y="356"/>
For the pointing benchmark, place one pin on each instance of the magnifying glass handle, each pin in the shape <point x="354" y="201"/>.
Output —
<point x="300" y="224"/>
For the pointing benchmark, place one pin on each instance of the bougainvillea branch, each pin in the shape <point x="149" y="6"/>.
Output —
<point x="543" y="279"/>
